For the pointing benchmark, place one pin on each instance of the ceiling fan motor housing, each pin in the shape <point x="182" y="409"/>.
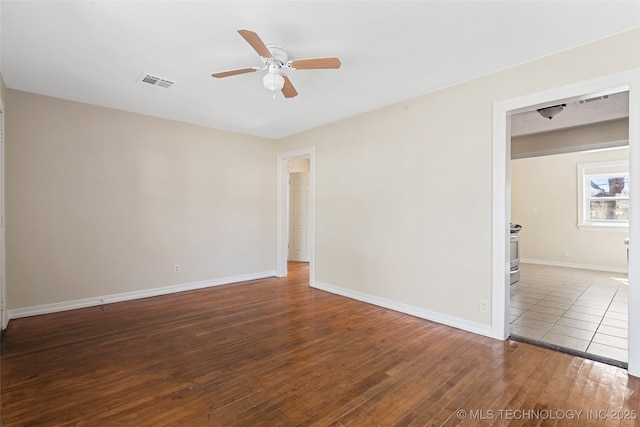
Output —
<point x="278" y="54"/>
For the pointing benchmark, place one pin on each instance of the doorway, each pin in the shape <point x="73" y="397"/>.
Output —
<point x="503" y="111"/>
<point x="295" y="218"/>
<point x="572" y="287"/>
<point x="299" y="219"/>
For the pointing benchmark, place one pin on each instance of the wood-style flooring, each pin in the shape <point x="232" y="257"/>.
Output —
<point x="276" y="352"/>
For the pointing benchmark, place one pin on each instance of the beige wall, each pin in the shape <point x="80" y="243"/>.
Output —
<point x="102" y="202"/>
<point x="544" y="199"/>
<point x="403" y="194"/>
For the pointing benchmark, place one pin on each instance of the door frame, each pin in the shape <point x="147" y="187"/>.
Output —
<point x="4" y="318"/>
<point x="282" y="228"/>
<point x="501" y="194"/>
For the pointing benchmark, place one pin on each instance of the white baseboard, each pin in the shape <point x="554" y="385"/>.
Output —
<point x="456" y="322"/>
<point x="126" y="296"/>
<point x="570" y="265"/>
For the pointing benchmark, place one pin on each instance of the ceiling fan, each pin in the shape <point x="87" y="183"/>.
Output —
<point x="276" y="61"/>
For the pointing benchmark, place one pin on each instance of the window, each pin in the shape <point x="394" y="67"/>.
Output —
<point x="603" y="195"/>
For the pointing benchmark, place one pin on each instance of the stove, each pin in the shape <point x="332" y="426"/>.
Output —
<point x="514" y="253"/>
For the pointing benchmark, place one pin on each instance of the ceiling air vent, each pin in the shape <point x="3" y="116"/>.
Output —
<point x="597" y="98"/>
<point x="155" y="81"/>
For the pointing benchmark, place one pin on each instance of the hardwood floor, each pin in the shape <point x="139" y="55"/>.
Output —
<point x="277" y="352"/>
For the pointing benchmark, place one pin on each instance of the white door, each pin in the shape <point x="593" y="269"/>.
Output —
<point x="299" y="216"/>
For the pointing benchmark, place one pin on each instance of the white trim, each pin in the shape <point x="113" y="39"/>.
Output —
<point x="624" y="81"/>
<point x="634" y="224"/>
<point x="614" y="228"/>
<point x="127" y="296"/>
<point x="282" y="227"/>
<point x="4" y="319"/>
<point x="500" y="217"/>
<point x="570" y="265"/>
<point x="434" y="316"/>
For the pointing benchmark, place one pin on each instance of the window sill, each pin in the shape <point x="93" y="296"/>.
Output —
<point x="604" y="227"/>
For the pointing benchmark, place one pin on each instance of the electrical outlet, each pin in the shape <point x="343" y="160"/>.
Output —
<point x="176" y="268"/>
<point x="484" y="306"/>
<point x="566" y="253"/>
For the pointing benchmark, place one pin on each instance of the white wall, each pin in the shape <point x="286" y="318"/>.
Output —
<point x="103" y="202"/>
<point x="544" y="199"/>
<point x="404" y="193"/>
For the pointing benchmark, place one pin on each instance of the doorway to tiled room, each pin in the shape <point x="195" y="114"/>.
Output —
<point x="570" y="192"/>
<point x="574" y="309"/>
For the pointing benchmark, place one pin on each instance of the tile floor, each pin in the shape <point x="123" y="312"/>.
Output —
<point x="578" y="309"/>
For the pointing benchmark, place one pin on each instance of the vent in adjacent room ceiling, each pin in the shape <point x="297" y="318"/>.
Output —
<point x="597" y="98"/>
<point x="155" y="81"/>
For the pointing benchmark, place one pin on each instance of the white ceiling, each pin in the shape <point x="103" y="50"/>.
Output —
<point x="95" y="52"/>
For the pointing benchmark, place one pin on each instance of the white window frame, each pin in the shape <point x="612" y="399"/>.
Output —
<point x="586" y="170"/>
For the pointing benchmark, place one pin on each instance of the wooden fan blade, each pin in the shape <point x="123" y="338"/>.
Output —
<point x="288" y="90"/>
<point x="234" y="72"/>
<point x="256" y="43"/>
<point x="315" y="63"/>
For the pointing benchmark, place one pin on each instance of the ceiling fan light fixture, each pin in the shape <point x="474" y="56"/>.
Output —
<point x="275" y="60"/>
<point x="273" y="81"/>
<point x="551" y="112"/>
